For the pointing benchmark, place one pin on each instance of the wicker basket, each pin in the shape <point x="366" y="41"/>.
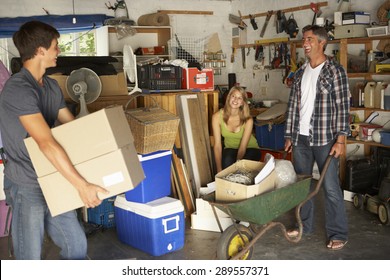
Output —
<point x="153" y="128"/>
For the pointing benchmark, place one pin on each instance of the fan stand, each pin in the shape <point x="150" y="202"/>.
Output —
<point x="83" y="106"/>
<point x="135" y="88"/>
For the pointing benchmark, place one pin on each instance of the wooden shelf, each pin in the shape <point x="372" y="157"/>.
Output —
<point x="370" y="143"/>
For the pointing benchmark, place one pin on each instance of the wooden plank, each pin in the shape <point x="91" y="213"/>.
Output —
<point x="186" y="142"/>
<point x="182" y="183"/>
<point x="200" y="142"/>
<point x="288" y="10"/>
<point x="185" y="12"/>
<point x="186" y="177"/>
<point x="206" y="134"/>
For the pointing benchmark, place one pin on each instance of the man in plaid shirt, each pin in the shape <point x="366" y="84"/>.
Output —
<point x="317" y="126"/>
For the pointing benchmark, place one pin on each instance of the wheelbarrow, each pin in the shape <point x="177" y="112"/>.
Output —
<point x="237" y="241"/>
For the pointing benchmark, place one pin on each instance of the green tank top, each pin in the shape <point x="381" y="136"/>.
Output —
<point x="232" y="139"/>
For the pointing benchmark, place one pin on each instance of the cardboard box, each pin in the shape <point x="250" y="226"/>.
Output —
<point x="111" y="84"/>
<point x="195" y="79"/>
<point x="117" y="172"/>
<point x="231" y="191"/>
<point x="156" y="227"/>
<point x="355" y="18"/>
<point x="204" y="209"/>
<point x="98" y="133"/>
<point x="350" y="31"/>
<point x="209" y="223"/>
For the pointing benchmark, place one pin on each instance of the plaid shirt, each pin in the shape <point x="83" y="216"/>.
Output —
<point x="331" y="106"/>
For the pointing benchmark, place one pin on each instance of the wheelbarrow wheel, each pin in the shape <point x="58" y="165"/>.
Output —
<point x="358" y="201"/>
<point x="384" y="213"/>
<point x="230" y="243"/>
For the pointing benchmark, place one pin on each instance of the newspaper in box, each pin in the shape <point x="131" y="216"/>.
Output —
<point x="228" y="189"/>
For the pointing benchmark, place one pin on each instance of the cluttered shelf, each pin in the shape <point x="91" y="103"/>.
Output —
<point x="371" y="143"/>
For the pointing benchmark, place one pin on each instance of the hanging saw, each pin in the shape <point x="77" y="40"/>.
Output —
<point x="268" y="17"/>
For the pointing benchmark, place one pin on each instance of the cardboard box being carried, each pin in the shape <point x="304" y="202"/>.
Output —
<point x="231" y="191"/>
<point x="111" y="84"/>
<point x="100" y="146"/>
<point x="117" y="172"/>
<point x="96" y="134"/>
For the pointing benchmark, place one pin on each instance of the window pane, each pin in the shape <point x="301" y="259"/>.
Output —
<point x="78" y="44"/>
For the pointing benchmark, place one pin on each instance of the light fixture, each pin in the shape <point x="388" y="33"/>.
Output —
<point x="74" y="15"/>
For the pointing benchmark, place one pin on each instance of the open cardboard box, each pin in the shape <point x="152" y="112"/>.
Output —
<point x="227" y="191"/>
<point x="111" y="84"/>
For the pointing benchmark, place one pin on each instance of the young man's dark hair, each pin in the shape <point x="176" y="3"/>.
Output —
<point x="31" y="36"/>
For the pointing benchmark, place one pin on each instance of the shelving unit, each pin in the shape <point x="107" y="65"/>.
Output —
<point x="145" y="36"/>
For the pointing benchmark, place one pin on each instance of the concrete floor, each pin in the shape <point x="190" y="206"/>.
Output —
<point x="368" y="240"/>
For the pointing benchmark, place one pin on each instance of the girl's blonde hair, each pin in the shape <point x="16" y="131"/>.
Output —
<point x="244" y="109"/>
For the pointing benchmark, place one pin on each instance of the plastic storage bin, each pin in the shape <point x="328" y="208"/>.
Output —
<point x="270" y="136"/>
<point x="159" y="77"/>
<point x="156" y="228"/>
<point x="104" y="214"/>
<point x="157" y="182"/>
<point x="385" y="137"/>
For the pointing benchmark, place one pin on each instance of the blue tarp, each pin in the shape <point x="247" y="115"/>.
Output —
<point x="63" y="23"/>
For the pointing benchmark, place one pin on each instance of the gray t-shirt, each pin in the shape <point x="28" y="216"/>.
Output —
<point x="22" y="95"/>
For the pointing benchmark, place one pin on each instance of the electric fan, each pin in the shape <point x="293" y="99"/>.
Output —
<point x="130" y="69"/>
<point x="83" y="86"/>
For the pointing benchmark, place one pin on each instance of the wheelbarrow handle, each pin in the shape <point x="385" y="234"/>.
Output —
<point x="321" y="179"/>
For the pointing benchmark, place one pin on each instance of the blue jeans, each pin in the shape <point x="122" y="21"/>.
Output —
<point x="31" y="218"/>
<point x="304" y="156"/>
<point x="229" y="156"/>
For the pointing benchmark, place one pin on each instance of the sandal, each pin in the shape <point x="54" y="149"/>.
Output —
<point x="293" y="233"/>
<point x="336" y="244"/>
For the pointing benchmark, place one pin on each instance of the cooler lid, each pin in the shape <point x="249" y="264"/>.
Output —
<point x="145" y="157"/>
<point x="154" y="209"/>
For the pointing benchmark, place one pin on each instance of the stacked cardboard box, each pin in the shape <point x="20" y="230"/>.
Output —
<point x="100" y="146"/>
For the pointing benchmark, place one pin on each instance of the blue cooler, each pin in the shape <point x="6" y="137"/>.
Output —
<point x="156" y="227"/>
<point x="157" y="182"/>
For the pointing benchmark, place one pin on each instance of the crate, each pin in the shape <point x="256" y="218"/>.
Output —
<point x="104" y="214"/>
<point x="154" y="129"/>
<point x="159" y="77"/>
<point x="270" y="136"/>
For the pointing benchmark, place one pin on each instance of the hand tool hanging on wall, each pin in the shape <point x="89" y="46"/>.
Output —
<point x="232" y="55"/>
<point x="269" y="14"/>
<point x="317" y="12"/>
<point x="259" y="54"/>
<point x="243" y="58"/>
<point x="253" y="22"/>
<point x="280" y="21"/>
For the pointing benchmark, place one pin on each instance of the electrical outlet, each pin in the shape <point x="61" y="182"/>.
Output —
<point x="263" y="91"/>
